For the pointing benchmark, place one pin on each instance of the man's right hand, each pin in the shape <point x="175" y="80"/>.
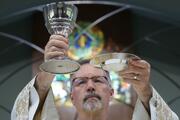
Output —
<point x="56" y="47"/>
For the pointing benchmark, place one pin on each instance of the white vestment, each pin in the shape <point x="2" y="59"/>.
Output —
<point x="27" y="103"/>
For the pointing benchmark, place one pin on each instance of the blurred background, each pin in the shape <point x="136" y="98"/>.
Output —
<point x="149" y="29"/>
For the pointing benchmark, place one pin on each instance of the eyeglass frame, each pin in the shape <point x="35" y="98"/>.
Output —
<point x="92" y="78"/>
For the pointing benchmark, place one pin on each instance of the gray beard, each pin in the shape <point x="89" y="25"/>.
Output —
<point x="92" y="105"/>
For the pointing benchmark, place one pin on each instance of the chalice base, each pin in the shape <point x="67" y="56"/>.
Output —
<point x="60" y="66"/>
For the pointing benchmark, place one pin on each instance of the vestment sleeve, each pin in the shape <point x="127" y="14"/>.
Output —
<point x="26" y="103"/>
<point x="159" y="110"/>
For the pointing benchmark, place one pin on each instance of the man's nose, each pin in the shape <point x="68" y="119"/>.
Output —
<point x="90" y="86"/>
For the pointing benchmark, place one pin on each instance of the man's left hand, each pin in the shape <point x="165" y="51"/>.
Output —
<point x="138" y="75"/>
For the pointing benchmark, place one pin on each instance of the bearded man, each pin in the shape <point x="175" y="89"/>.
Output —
<point x="91" y="91"/>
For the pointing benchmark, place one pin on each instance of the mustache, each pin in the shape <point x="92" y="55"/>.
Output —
<point x="92" y="95"/>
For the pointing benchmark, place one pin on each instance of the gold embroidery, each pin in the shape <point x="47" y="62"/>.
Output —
<point x="163" y="112"/>
<point x="22" y="103"/>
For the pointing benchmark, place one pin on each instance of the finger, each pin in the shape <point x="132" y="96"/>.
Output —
<point x="130" y="73"/>
<point x="59" y="37"/>
<point x="135" y="58"/>
<point x="132" y="69"/>
<point x="130" y="80"/>
<point x="58" y="44"/>
<point x="53" y="49"/>
<point x="131" y="76"/>
<point x="55" y="54"/>
<point x="139" y="63"/>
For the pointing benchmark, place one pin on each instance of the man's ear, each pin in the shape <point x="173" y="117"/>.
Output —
<point x="112" y="92"/>
<point x="71" y="96"/>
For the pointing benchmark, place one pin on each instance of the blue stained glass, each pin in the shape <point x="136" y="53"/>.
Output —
<point x="61" y="77"/>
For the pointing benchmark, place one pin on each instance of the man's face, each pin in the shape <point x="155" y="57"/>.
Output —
<point x="90" y="89"/>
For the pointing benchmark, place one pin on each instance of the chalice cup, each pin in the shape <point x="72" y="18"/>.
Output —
<point x="60" y="19"/>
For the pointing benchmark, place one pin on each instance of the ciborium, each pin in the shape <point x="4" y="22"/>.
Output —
<point x="113" y="61"/>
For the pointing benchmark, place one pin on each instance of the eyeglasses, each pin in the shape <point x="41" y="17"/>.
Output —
<point x="81" y="81"/>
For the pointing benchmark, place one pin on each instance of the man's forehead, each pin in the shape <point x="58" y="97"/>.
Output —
<point x="87" y="70"/>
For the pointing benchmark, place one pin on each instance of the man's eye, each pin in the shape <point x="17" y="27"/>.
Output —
<point x="79" y="82"/>
<point x="98" y="81"/>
